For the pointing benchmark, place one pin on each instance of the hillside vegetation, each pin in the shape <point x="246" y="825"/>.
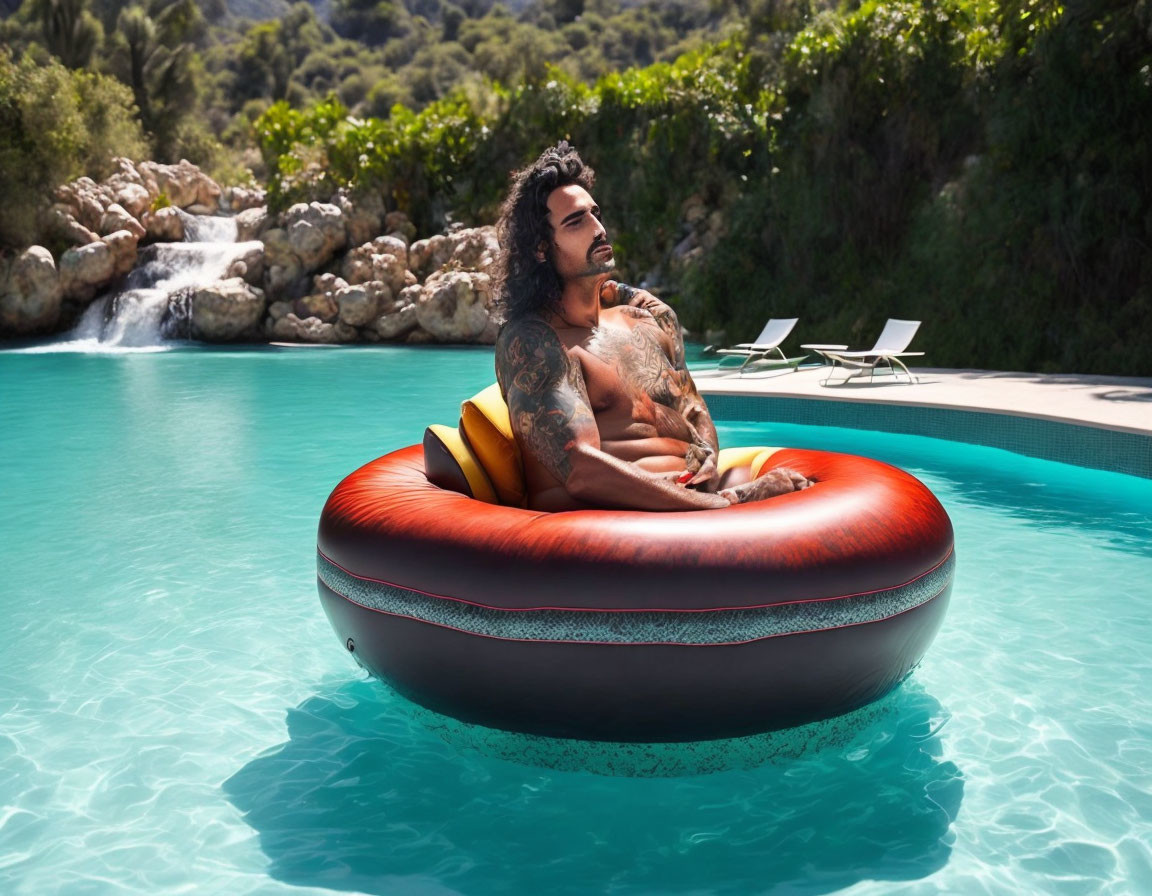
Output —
<point x="982" y="166"/>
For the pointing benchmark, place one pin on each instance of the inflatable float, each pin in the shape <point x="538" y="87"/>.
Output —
<point x="627" y="625"/>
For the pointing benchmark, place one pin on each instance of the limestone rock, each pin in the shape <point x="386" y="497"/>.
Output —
<point x="425" y="256"/>
<point x="315" y="232"/>
<point x="124" y="172"/>
<point x="116" y="217"/>
<point x="184" y="184"/>
<point x="319" y="305"/>
<point x="250" y="222"/>
<point x="357" y="306"/>
<point x="249" y="265"/>
<point x="280" y="328"/>
<point x="385" y="258"/>
<point x="122" y="244"/>
<point x="363" y="215"/>
<point x="397" y="224"/>
<point x="133" y="197"/>
<point x="164" y="226"/>
<point x="283" y="271"/>
<point x="398" y="318"/>
<point x="294" y="329"/>
<point x="63" y="223"/>
<point x="241" y="199"/>
<point x="226" y="310"/>
<point x="328" y="283"/>
<point x="278" y="310"/>
<point x="30" y="295"/>
<point x="474" y="249"/>
<point x="86" y="270"/>
<point x="391" y="245"/>
<point x="453" y="305"/>
<point x="491" y="329"/>
<point x="86" y="199"/>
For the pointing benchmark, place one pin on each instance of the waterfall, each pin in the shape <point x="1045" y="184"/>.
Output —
<point x="135" y="315"/>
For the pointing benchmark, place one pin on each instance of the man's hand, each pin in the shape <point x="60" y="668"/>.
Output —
<point x="699" y="464"/>
<point x="775" y="482"/>
<point x="613" y="293"/>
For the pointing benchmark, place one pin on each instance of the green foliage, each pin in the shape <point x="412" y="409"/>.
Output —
<point x="70" y="31"/>
<point x="150" y="55"/>
<point x="372" y="21"/>
<point x="55" y="125"/>
<point x="979" y="164"/>
<point x="956" y="163"/>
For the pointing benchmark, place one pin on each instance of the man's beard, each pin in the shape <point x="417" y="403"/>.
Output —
<point x="595" y="268"/>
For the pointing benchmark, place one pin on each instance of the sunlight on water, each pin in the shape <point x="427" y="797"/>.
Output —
<point x="176" y="715"/>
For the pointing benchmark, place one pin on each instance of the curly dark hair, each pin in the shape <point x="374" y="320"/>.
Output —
<point x="526" y="284"/>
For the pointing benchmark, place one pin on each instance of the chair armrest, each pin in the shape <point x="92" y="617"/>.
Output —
<point x="870" y="354"/>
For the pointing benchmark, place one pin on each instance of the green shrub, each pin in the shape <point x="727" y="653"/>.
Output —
<point x="56" y="125"/>
<point x="981" y="166"/>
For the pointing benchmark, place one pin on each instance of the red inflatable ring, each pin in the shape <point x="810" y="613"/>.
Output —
<point x="635" y="626"/>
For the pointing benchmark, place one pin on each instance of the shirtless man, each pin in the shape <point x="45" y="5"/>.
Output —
<point x="601" y="401"/>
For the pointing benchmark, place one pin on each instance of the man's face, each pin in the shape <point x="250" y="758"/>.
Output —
<point x="580" y="246"/>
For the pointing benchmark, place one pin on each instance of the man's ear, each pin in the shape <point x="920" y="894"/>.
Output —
<point x="542" y="251"/>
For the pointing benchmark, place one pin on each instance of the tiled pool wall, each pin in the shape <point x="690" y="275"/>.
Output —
<point x="1070" y="443"/>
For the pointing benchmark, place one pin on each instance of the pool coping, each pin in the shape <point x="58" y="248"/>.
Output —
<point x="1100" y="422"/>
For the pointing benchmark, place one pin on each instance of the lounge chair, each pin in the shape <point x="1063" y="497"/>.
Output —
<point x="767" y="343"/>
<point x="889" y="349"/>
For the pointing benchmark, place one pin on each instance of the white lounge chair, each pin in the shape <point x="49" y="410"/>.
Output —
<point x="889" y="349"/>
<point x="767" y="343"/>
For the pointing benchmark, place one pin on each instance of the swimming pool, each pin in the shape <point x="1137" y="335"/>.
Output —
<point x="176" y="715"/>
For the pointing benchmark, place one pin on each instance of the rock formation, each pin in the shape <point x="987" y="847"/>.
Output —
<point x="347" y="270"/>
<point x="226" y="311"/>
<point x="30" y="293"/>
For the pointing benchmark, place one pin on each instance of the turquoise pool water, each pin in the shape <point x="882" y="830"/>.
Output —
<point x="177" y="716"/>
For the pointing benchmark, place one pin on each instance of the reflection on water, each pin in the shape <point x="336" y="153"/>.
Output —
<point x="362" y="798"/>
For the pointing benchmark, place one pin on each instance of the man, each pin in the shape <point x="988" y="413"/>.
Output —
<point x="601" y="401"/>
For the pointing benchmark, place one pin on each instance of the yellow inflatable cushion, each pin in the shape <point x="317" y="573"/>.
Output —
<point x="761" y="461"/>
<point x="736" y="457"/>
<point x="450" y="464"/>
<point x="487" y="428"/>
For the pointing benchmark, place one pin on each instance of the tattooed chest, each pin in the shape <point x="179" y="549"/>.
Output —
<point x="639" y="364"/>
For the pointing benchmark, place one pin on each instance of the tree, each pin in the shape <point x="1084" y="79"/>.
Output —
<point x="160" y="76"/>
<point x="70" y="30"/>
<point x="55" y="125"/>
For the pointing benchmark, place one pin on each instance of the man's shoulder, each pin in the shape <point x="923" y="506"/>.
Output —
<point x="523" y="337"/>
<point x="528" y="327"/>
<point x="529" y="355"/>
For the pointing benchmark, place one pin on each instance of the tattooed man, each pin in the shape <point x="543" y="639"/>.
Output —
<point x="602" y="404"/>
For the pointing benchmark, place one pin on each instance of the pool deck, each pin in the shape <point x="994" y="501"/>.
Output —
<point x="1120" y="404"/>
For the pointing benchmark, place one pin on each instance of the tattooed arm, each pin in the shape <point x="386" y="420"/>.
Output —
<point x="554" y="425"/>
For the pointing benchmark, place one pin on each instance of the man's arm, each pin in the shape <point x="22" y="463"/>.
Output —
<point x="550" y="412"/>
<point x="691" y="406"/>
